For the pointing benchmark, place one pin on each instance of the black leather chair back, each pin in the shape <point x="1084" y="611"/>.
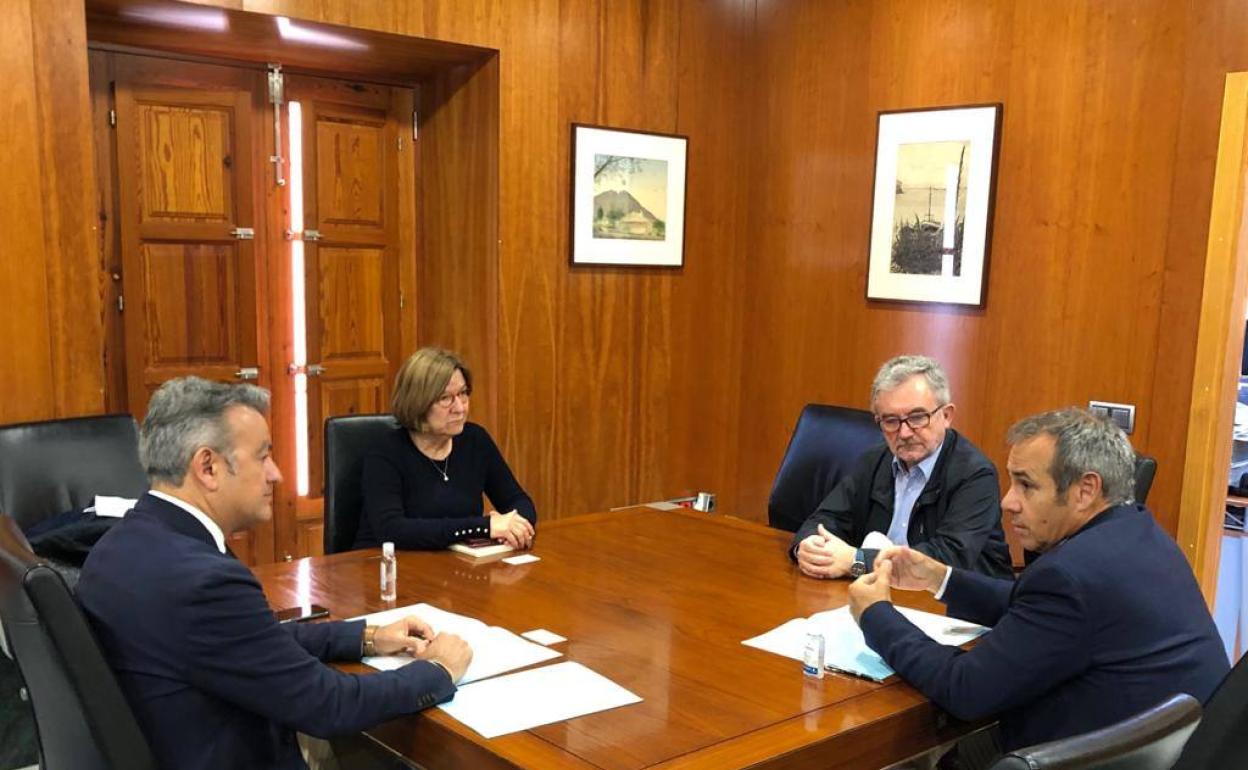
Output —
<point x="1145" y="470"/>
<point x="346" y="441"/>
<point x="51" y="467"/>
<point x="1148" y="741"/>
<point x="1222" y="738"/>
<point x="826" y="443"/>
<point x="82" y="719"/>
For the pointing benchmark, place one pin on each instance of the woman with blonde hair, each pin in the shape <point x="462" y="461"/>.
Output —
<point x="423" y="484"/>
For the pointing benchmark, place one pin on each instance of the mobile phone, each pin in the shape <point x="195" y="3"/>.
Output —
<point x="301" y="613"/>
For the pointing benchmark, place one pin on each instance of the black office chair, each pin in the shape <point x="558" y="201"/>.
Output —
<point x="82" y="719"/>
<point x="1221" y="740"/>
<point x="1151" y="740"/>
<point x="1145" y="470"/>
<point x="56" y="466"/>
<point x="346" y="440"/>
<point x="825" y="444"/>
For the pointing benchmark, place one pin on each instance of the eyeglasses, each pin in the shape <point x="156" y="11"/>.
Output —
<point x="446" y="399"/>
<point x="916" y="420"/>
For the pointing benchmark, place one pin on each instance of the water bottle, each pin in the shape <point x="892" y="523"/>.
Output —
<point x="389" y="573"/>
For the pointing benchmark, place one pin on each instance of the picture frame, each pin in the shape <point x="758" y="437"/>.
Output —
<point x="919" y="155"/>
<point x="628" y="197"/>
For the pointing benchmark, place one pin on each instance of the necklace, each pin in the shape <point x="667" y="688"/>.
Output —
<point x="446" y="465"/>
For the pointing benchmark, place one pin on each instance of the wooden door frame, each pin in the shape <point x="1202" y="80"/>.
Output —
<point x="1219" y="347"/>
<point x="458" y="86"/>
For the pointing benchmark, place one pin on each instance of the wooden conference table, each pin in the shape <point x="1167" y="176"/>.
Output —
<point x="659" y="602"/>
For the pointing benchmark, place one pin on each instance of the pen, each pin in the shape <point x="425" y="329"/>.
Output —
<point x="854" y="674"/>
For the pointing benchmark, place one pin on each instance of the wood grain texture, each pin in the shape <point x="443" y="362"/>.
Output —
<point x="1219" y="347"/>
<point x="52" y="360"/>
<point x="1083" y="211"/>
<point x="1111" y="113"/>
<point x="651" y="612"/>
<point x="68" y="182"/>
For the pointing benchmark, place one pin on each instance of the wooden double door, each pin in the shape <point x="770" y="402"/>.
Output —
<point x="256" y="241"/>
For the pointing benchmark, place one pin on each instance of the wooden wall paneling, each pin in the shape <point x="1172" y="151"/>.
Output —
<point x="27" y="374"/>
<point x="1219" y="347"/>
<point x="596" y="416"/>
<point x="1214" y="44"/>
<point x="1103" y="75"/>
<point x="691" y="320"/>
<point x="1082" y="208"/>
<point x="68" y="179"/>
<point x="457" y="304"/>
<point x="810" y="167"/>
<point x="651" y="67"/>
<point x="533" y="176"/>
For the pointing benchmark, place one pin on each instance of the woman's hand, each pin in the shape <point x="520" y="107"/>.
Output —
<point x="511" y="528"/>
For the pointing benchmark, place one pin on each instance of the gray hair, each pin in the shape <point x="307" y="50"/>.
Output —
<point x="186" y="414"/>
<point x="896" y="371"/>
<point x="1086" y="443"/>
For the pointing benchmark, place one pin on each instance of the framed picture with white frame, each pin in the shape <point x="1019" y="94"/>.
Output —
<point x="931" y="216"/>
<point x="628" y="197"/>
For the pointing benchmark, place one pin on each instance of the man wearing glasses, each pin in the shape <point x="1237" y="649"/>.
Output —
<point x="927" y="487"/>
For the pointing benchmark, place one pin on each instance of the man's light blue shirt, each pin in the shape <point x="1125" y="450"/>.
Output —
<point x="907" y="486"/>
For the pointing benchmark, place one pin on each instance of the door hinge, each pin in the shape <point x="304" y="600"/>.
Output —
<point x="248" y="373"/>
<point x="415" y="125"/>
<point x="400" y="143"/>
<point x="112" y="118"/>
<point x="243" y="233"/>
<point x="312" y="370"/>
<point x="121" y="304"/>
<point x="311" y="235"/>
<point x="401" y="299"/>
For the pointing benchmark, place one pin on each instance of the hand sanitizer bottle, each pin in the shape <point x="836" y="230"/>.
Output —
<point x="389" y="573"/>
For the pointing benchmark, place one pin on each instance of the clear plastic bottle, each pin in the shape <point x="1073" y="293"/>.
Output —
<point x="389" y="573"/>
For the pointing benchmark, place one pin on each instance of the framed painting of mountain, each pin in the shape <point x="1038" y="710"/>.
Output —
<point x="628" y="197"/>
<point x="931" y="223"/>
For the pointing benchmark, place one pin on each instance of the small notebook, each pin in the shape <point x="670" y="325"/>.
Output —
<point x="480" y="547"/>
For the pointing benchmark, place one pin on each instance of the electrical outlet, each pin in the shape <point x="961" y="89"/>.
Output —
<point x="1123" y="414"/>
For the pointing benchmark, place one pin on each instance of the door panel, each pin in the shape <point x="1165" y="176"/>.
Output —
<point x="351" y="156"/>
<point x="192" y="296"/>
<point x="187" y="166"/>
<point x="188" y="162"/>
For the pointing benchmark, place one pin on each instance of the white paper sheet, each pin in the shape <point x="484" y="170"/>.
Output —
<point x="877" y="541"/>
<point x="844" y="647"/>
<point x="533" y="698"/>
<point x="114" y="507"/>
<point x="494" y="650"/>
<point x="542" y="636"/>
<point x="524" y="558"/>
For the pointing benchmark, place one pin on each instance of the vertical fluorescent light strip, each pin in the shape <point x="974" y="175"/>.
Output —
<point x="298" y="311"/>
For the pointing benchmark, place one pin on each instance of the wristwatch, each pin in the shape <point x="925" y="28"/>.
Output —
<point x="859" y="567"/>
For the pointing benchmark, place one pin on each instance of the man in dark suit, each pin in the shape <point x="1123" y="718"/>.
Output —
<point x="927" y="486"/>
<point x="214" y="680"/>
<point x="1107" y="621"/>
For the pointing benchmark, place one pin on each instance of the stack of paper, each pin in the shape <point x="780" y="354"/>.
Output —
<point x="844" y="647"/>
<point x="494" y="650"/>
<point x="536" y="697"/>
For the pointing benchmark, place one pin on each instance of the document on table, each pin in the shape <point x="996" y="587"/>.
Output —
<point x="540" y="696"/>
<point x="494" y="650"/>
<point x="844" y="647"/>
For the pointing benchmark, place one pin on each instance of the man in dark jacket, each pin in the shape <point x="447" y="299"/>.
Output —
<point x="212" y="677"/>
<point x="1107" y="622"/>
<point x="927" y="487"/>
